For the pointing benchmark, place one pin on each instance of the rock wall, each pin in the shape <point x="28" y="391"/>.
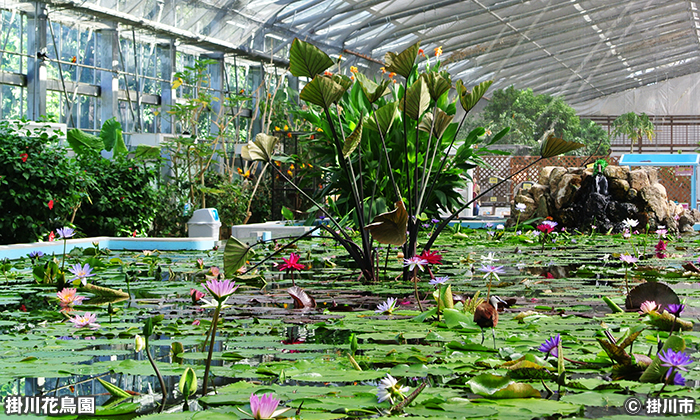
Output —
<point x="576" y="198"/>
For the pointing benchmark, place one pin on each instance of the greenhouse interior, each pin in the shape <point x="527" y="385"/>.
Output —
<point x="491" y="209"/>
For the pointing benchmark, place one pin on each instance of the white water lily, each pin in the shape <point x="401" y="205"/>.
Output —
<point x="630" y="223"/>
<point x="388" y="307"/>
<point x="389" y="388"/>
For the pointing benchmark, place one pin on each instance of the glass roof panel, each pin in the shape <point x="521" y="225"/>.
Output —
<point x="583" y="48"/>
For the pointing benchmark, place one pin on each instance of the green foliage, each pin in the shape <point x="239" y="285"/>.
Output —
<point x="33" y="171"/>
<point x="170" y="216"/>
<point x="231" y="200"/>
<point x="205" y="138"/>
<point x="375" y="179"/>
<point x="633" y="126"/>
<point x="101" y="197"/>
<point x="530" y="116"/>
<point x="122" y="196"/>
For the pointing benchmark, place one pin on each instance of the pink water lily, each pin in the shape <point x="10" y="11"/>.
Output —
<point x="264" y="407"/>
<point x="69" y="297"/>
<point x="221" y="289"/>
<point x="196" y="295"/>
<point x="88" y="320"/>
<point x="648" y="306"/>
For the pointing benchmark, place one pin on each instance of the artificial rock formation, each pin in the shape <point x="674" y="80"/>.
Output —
<point x="576" y="198"/>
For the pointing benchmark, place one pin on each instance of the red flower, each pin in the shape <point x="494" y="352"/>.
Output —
<point x="50" y="204"/>
<point x="291" y="263"/>
<point x="23" y="308"/>
<point x="52" y="236"/>
<point x="431" y="257"/>
<point x="134" y="234"/>
<point x="24" y="157"/>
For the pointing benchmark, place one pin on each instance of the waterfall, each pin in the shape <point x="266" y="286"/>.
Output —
<point x="601" y="184"/>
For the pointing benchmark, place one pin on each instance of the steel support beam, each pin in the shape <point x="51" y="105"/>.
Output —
<point x="167" y="93"/>
<point x="216" y="84"/>
<point x="37" y="22"/>
<point x="108" y="58"/>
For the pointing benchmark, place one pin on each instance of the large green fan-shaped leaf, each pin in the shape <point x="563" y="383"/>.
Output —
<point x="417" y="99"/>
<point x="554" y="146"/>
<point x="390" y="227"/>
<point x="373" y="91"/>
<point x="262" y="148"/>
<point x="307" y="60"/>
<point x="111" y="135"/>
<point x="235" y="255"/>
<point x="82" y="142"/>
<point x="402" y="63"/>
<point x="469" y="99"/>
<point x="353" y="140"/>
<point x="438" y="83"/>
<point x="322" y="91"/>
<point x="385" y="117"/>
<point x="441" y="123"/>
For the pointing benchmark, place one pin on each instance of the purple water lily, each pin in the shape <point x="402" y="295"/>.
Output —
<point x="551" y="346"/>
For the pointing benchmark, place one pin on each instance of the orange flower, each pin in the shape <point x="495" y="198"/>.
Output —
<point x="352" y="77"/>
<point x="327" y="73"/>
<point x="392" y="75"/>
<point x="320" y="130"/>
<point x="289" y="135"/>
<point x="438" y="51"/>
<point x="421" y="52"/>
<point x="382" y="69"/>
<point x="289" y="172"/>
<point x="353" y="69"/>
<point x="291" y="166"/>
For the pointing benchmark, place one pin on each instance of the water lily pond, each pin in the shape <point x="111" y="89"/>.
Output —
<point x="327" y="362"/>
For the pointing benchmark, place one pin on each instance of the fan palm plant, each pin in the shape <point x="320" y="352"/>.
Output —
<point x="633" y="126"/>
